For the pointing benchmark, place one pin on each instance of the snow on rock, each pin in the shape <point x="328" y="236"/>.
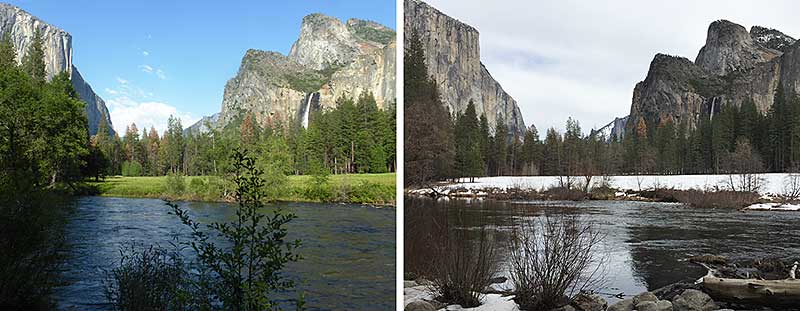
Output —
<point x="774" y="207"/>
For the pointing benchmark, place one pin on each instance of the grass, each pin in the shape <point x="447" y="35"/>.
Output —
<point x="380" y="188"/>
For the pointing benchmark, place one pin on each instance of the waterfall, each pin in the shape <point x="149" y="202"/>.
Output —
<point x="713" y="104"/>
<point x="308" y="110"/>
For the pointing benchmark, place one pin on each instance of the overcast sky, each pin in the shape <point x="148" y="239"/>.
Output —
<point x="583" y="58"/>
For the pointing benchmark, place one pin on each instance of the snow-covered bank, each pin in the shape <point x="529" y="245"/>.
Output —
<point x="774" y="207"/>
<point x="413" y="292"/>
<point x="773" y="183"/>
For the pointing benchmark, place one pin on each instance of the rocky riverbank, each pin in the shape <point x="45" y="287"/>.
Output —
<point x="681" y="296"/>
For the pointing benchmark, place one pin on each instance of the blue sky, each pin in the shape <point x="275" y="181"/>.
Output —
<point x="149" y="59"/>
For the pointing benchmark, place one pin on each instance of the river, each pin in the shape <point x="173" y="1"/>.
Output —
<point x="348" y="250"/>
<point x="645" y="245"/>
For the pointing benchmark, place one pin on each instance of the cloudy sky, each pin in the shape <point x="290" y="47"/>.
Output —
<point x="583" y="58"/>
<point x="151" y="58"/>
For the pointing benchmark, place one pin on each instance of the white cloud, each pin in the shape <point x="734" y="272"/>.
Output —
<point x="122" y="81"/>
<point x="112" y="92"/>
<point x="146" y="68"/>
<point x="583" y="58"/>
<point x="145" y="53"/>
<point x="160" y="74"/>
<point x="125" y="111"/>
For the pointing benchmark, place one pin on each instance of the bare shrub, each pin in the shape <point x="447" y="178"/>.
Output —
<point x="743" y="166"/>
<point x="704" y="199"/>
<point x="791" y="187"/>
<point x="465" y="262"/>
<point x="554" y="257"/>
<point x="563" y="193"/>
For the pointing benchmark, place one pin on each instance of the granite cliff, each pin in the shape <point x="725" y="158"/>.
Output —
<point x="735" y="66"/>
<point x="57" y="44"/>
<point x="330" y="60"/>
<point x="452" y="53"/>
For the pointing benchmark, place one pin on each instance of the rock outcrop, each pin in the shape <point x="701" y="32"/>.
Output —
<point x="452" y="54"/>
<point x="330" y="60"/>
<point x="732" y="68"/>
<point x="57" y="45"/>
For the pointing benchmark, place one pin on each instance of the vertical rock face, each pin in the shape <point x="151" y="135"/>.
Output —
<point x="331" y="59"/>
<point x="452" y="53"/>
<point x="57" y="45"/>
<point x="730" y="47"/>
<point x="734" y="67"/>
<point x="324" y="42"/>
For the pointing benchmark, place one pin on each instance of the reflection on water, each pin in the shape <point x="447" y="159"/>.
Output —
<point x="646" y="244"/>
<point x="348" y="250"/>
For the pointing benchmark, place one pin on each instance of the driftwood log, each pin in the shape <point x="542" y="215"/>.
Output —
<point x="756" y="291"/>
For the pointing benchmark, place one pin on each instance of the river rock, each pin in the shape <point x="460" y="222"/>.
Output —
<point x="646" y="296"/>
<point x="409" y="283"/>
<point x="624" y="305"/>
<point x="498" y="280"/>
<point x="564" y="308"/>
<point x="662" y="305"/>
<point x="589" y="302"/>
<point x="693" y="300"/>
<point x="419" y="305"/>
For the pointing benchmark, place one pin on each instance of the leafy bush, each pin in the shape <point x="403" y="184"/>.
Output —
<point x="131" y="169"/>
<point x="31" y="244"/>
<point x="246" y="266"/>
<point x="175" y="184"/>
<point x="206" y="188"/>
<point x="319" y="188"/>
<point x="148" y="279"/>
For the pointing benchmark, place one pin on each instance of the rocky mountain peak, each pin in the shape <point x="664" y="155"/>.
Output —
<point x="729" y="47"/>
<point x="324" y="42"/>
<point x="771" y="38"/>
<point x="370" y="32"/>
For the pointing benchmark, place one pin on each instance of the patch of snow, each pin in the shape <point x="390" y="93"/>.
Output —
<point x="491" y="302"/>
<point x="774" y="207"/>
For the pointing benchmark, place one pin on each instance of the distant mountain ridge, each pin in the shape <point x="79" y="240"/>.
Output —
<point x="329" y="60"/>
<point x="22" y="26"/>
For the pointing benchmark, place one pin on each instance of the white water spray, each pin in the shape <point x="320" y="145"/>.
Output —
<point x="308" y="109"/>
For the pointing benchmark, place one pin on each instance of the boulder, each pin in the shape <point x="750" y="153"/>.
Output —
<point x="662" y="305"/>
<point x="624" y="305"/>
<point x="646" y="296"/>
<point x="589" y="302"/>
<point x="693" y="300"/>
<point x="419" y="305"/>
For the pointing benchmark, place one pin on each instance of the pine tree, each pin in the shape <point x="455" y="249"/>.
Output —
<point x="33" y="62"/>
<point x="8" y="55"/>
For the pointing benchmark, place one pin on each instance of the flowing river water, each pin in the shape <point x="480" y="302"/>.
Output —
<point x="645" y="245"/>
<point x="348" y="250"/>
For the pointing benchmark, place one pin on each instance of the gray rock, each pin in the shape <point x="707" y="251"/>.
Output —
<point x="21" y="26"/>
<point x="409" y="284"/>
<point x="734" y="67"/>
<point x="419" y="305"/>
<point x="646" y="296"/>
<point x="662" y="305"/>
<point x="497" y="280"/>
<point x="589" y="302"/>
<point x="624" y="305"/>
<point x="564" y="308"/>
<point x="693" y="300"/>
<point x="328" y="61"/>
<point x="452" y="54"/>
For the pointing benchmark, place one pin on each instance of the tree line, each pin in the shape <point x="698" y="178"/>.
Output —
<point x="354" y="137"/>
<point x="444" y="145"/>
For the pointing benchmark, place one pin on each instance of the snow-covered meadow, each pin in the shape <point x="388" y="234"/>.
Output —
<point x="774" y="183"/>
